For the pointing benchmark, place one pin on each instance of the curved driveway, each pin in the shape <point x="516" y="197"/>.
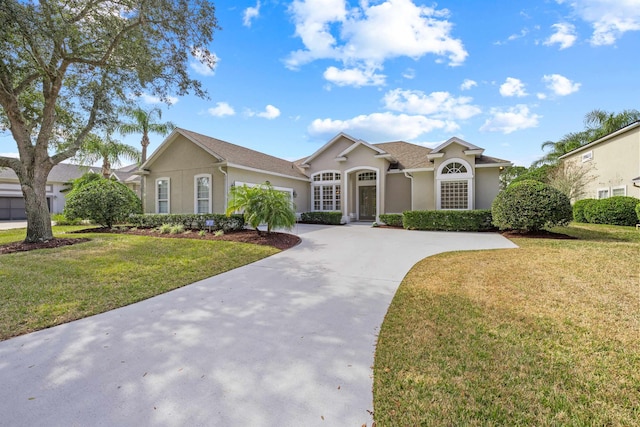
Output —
<point x="286" y="341"/>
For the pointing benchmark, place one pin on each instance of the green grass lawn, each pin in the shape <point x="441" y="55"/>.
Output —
<point x="547" y="334"/>
<point x="46" y="287"/>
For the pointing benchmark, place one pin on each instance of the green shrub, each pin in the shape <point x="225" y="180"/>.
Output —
<point x="329" y="218"/>
<point x="262" y="204"/>
<point x="393" y="220"/>
<point x="578" y="209"/>
<point x="176" y="229"/>
<point x="202" y="233"/>
<point x="60" y="219"/>
<point x="165" y="229"/>
<point x="638" y="211"/>
<point x="104" y="201"/>
<point x="446" y="220"/>
<point x="616" y="210"/>
<point x="190" y="221"/>
<point x="530" y="206"/>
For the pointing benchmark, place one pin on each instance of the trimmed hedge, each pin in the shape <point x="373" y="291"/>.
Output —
<point x="616" y="210"/>
<point x="444" y="220"/>
<point x="579" y="207"/>
<point x="530" y="206"/>
<point x="329" y="218"/>
<point x="393" y="220"/>
<point x="222" y="222"/>
<point x="638" y="211"/>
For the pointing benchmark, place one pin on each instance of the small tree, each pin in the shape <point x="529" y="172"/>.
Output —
<point x="262" y="204"/>
<point x="530" y="206"/>
<point x="104" y="201"/>
<point x="571" y="179"/>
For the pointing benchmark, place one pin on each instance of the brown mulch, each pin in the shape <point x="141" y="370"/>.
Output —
<point x="280" y="241"/>
<point x="541" y="234"/>
<point x="53" y="243"/>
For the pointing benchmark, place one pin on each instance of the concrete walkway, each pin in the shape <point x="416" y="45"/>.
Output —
<point x="286" y="341"/>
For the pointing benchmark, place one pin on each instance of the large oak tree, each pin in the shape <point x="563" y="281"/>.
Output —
<point x="66" y="66"/>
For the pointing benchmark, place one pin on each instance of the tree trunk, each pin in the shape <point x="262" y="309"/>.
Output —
<point x="38" y="217"/>
<point x="143" y="158"/>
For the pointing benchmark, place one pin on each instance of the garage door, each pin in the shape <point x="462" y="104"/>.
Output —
<point x="12" y="208"/>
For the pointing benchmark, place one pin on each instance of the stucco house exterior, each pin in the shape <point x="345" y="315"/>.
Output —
<point x="12" y="206"/>
<point x="193" y="173"/>
<point x="613" y="163"/>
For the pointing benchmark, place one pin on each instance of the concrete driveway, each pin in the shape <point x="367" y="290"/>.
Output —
<point x="286" y="341"/>
<point x="8" y="225"/>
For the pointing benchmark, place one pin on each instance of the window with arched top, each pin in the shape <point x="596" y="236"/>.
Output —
<point x="454" y="167"/>
<point x="455" y="185"/>
<point x="326" y="191"/>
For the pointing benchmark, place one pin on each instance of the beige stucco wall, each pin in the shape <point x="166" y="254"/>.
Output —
<point x="398" y="188"/>
<point x="614" y="164"/>
<point x="424" y="196"/>
<point x="487" y="184"/>
<point x="180" y="162"/>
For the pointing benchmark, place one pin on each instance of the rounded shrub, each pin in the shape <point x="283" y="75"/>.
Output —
<point x="104" y="201"/>
<point x="530" y="206"/>
<point x="578" y="209"/>
<point x="616" y="210"/>
<point x="638" y="211"/>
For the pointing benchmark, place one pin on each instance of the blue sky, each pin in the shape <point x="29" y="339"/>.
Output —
<point x="503" y="75"/>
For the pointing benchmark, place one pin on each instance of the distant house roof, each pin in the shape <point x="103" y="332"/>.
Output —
<point x="235" y="155"/>
<point x="625" y="129"/>
<point x="65" y="172"/>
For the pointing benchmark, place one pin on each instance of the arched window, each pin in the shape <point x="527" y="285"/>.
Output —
<point x="455" y="185"/>
<point x="325" y="191"/>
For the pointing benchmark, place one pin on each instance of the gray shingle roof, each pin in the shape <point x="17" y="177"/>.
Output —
<point x="243" y="156"/>
<point x="65" y="172"/>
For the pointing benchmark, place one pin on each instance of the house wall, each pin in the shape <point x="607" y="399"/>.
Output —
<point x="615" y="162"/>
<point x="180" y="162"/>
<point x="398" y="188"/>
<point x="487" y="184"/>
<point x="424" y="196"/>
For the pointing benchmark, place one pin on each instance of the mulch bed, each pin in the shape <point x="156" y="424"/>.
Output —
<point x="280" y="241"/>
<point x="541" y="234"/>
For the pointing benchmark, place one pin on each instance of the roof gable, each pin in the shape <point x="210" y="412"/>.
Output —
<point x="470" y="148"/>
<point x="231" y="154"/>
<point x="628" y="128"/>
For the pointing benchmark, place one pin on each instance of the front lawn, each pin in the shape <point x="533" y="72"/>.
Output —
<point x="547" y="334"/>
<point x="47" y="287"/>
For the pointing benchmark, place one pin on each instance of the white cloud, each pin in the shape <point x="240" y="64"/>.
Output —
<point x="381" y="126"/>
<point x="510" y="120"/>
<point x="610" y="18"/>
<point x="370" y="34"/>
<point x="204" y="62"/>
<point x="541" y="95"/>
<point x="468" y="84"/>
<point x="409" y="74"/>
<point x="437" y="104"/>
<point x="512" y="87"/>
<point x="565" y="35"/>
<point x="520" y="35"/>
<point x="560" y="85"/>
<point x="222" y="109"/>
<point x="270" y="112"/>
<point x="150" y="99"/>
<point x="356" y="77"/>
<point x="250" y="13"/>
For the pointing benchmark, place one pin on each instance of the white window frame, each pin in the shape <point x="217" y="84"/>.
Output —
<point x="444" y="177"/>
<point x="195" y="192"/>
<point x="321" y="184"/>
<point x="168" y="195"/>
<point x="620" y="187"/>
<point x="587" y="157"/>
<point x="604" y="189"/>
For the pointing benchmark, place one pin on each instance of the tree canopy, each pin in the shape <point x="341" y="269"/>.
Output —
<point x="67" y="66"/>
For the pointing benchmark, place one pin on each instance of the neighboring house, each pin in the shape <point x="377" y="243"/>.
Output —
<point x="12" y="206"/>
<point x="613" y="163"/>
<point x="193" y="173"/>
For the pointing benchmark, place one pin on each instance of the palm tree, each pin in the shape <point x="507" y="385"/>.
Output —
<point x="262" y="204"/>
<point x="598" y="123"/>
<point x="143" y="123"/>
<point x="107" y="150"/>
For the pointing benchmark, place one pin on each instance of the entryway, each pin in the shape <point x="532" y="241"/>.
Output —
<point x="367" y="203"/>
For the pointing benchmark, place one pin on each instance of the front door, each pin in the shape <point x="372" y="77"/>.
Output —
<point x="367" y="203"/>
